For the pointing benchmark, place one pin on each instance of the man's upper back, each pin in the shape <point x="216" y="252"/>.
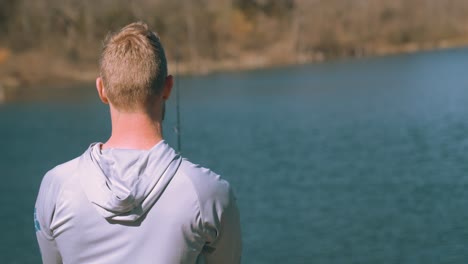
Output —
<point x="134" y="206"/>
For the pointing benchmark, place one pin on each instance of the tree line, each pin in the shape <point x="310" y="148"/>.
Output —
<point x="261" y="31"/>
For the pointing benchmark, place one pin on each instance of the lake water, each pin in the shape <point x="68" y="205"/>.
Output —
<point x="358" y="161"/>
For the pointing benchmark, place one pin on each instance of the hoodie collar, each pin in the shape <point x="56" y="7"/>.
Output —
<point x="123" y="184"/>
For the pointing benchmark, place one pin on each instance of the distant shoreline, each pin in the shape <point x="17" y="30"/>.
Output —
<point x="25" y="73"/>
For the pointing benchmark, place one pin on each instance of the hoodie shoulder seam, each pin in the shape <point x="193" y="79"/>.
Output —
<point x="56" y="179"/>
<point x="202" y="218"/>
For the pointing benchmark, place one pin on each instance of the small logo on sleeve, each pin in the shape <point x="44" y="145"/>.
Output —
<point x="37" y="226"/>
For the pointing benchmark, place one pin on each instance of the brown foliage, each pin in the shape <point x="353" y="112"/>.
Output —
<point x="208" y="31"/>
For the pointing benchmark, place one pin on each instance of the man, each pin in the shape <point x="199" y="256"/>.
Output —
<point x="132" y="199"/>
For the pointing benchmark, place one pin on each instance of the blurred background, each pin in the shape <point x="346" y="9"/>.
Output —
<point x="212" y="35"/>
<point x="341" y="124"/>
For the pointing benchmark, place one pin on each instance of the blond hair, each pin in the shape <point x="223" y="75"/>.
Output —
<point x="133" y="66"/>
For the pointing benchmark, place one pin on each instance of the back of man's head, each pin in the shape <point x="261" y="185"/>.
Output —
<point x="133" y="67"/>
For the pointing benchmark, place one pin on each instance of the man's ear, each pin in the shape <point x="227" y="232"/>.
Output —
<point x="168" y="87"/>
<point x="101" y="90"/>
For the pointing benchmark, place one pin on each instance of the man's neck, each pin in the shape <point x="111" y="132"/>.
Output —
<point x="133" y="131"/>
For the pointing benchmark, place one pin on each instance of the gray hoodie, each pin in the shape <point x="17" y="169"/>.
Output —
<point x="136" y="206"/>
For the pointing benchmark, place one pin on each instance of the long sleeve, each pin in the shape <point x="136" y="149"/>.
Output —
<point x="43" y="215"/>
<point x="222" y="225"/>
<point x="228" y="246"/>
<point x="49" y="250"/>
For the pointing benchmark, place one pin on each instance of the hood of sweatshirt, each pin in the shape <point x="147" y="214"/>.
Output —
<point x="123" y="184"/>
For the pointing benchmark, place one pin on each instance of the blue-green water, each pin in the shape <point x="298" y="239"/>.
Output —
<point x="362" y="161"/>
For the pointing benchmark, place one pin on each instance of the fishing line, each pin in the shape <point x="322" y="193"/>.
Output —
<point x="177" y="128"/>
